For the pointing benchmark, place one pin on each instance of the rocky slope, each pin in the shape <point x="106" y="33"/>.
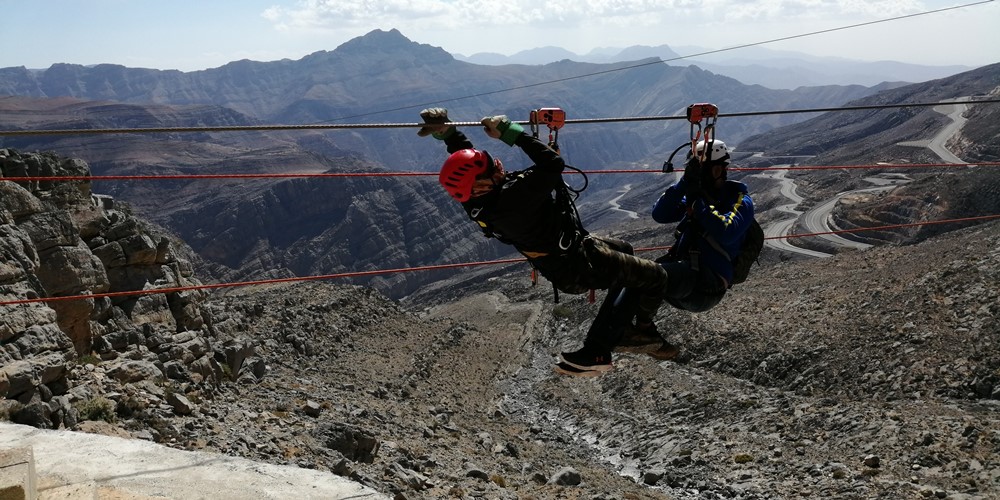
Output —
<point x="872" y="374"/>
<point x="60" y="240"/>
<point x="844" y="137"/>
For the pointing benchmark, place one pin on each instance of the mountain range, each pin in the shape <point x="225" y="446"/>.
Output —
<point x="753" y="65"/>
<point x="284" y="227"/>
<point x="384" y="77"/>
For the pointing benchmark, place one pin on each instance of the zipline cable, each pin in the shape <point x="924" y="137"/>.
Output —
<point x="435" y="267"/>
<point x="878" y="166"/>
<point x="249" y="128"/>
<point x="560" y="80"/>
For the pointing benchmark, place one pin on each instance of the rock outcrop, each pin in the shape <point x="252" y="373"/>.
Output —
<point x="78" y="275"/>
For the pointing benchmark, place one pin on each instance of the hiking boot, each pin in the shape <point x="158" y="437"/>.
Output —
<point x="587" y="360"/>
<point x="640" y="339"/>
<point x="564" y="369"/>
<point x="647" y="340"/>
<point x="665" y="352"/>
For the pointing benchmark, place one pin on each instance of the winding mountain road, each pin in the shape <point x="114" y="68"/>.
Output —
<point x="618" y="208"/>
<point x="819" y="219"/>
<point x="936" y="143"/>
<point x="776" y="230"/>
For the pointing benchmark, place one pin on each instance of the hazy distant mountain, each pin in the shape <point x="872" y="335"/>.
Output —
<point x="871" y="135"/>
<point x="775" y="69"/>
<point x="549" y="54"/>
<point x="385" y="77"/>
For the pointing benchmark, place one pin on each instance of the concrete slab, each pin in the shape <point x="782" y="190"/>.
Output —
<point x="140" y="469"/>
<point x="17" y="474"/>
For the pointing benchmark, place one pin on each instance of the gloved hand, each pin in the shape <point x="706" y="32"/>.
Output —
<point x="692" y="179"/>
<point x="436" y="120"/>
<point x="500" y="127"/>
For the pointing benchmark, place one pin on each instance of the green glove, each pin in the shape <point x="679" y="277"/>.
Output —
<point x="500" y="127"/>
<point x="436" y="120"/>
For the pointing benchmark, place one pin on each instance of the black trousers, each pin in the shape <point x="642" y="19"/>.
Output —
<point x="687" y="289"/>
<point x="602" y="263"/>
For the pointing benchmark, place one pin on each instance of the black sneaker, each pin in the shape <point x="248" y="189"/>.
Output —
<point x="585" y="359"/>
<point x="564" y="369"/>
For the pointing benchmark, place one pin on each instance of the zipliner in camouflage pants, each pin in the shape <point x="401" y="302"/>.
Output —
<point x="604" y="263"/>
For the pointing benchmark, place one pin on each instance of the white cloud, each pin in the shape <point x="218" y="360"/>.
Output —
<point x="791" y="11"/>
<point x="220" y="31"/>
<point x="334" y="14"/>
<point x="337" y="14"/>
<point x="507" y="26"/>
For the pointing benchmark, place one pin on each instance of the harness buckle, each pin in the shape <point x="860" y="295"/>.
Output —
<point x="694" y="257"/>
<point x="566" y="246"/>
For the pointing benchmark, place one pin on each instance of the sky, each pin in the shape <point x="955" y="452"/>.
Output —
<point x="191" y="35"/>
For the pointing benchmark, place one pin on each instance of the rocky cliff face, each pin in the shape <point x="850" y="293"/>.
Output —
<point x="323" y="226"/>
<point x="58" y="239"/>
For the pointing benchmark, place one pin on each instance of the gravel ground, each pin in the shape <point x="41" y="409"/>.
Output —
<point x="873" y="374"/>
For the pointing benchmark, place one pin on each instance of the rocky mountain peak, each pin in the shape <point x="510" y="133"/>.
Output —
<point x="391" y="43"/>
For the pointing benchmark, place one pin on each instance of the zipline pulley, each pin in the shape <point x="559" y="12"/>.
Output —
<point x="696" y="114"/>
<point x="553" y="118"/>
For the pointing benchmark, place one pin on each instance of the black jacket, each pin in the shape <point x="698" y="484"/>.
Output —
<point x="522" y="210"/>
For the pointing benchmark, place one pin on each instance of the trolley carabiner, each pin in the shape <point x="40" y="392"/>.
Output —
<point x="553" y="118"/>
<point x="696" y="113"/>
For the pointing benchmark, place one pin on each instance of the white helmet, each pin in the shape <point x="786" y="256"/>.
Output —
<point x="719" y="151"/>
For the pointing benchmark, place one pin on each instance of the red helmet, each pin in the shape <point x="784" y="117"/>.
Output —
<point x="461" y="169"/>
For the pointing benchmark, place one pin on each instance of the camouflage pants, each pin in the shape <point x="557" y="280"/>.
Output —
<point x="607" y="264"/>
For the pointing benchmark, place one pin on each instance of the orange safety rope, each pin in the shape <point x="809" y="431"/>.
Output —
<point x="434" y="267"/>
<point x="261" y="282"/>
<point x="212" y="176"/>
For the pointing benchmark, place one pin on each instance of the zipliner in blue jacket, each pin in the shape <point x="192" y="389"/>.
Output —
<point x="725" y="219"/>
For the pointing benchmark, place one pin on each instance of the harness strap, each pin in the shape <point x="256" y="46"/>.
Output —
<point x="715" y="244"/>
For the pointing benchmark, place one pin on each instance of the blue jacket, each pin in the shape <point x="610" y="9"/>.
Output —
<point x="725" y="219"/>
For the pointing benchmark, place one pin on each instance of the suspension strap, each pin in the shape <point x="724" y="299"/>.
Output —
<point x="573" y="232"/>
<point x="696" y="113"/>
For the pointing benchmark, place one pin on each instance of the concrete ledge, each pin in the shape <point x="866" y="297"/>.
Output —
<point x="77" y="492"/>
<point x="76" y="465"/>
<point x="17" y="474"/>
